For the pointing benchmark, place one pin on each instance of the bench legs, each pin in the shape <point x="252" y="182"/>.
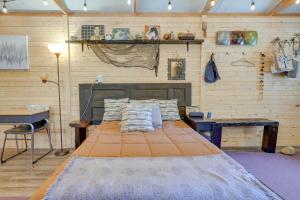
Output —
<point x="270" y="138"/>
<point x="3" y="148"/>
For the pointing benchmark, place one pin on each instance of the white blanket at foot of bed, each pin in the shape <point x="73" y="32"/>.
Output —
<point x="204" y="177"/>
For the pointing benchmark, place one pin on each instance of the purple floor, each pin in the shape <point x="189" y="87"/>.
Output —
<point x="279" y="172"/>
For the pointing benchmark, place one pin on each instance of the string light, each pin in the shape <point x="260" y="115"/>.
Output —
<point x="4" y="9"/>
<point x="169" y="5"/>
<point x="297" y="2"/>
<point x="252" y="5"/>
<point x="85" y="6"/>
<point x="212" y="3"/>
<point x="45" y="2"/>
<point x="129" y="2"/>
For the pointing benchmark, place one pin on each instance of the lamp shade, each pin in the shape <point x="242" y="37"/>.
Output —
<point x="44" y="77"/>
<point x="56" y="48"/>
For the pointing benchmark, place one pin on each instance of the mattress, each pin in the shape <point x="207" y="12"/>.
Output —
<point x="175" y="139"/>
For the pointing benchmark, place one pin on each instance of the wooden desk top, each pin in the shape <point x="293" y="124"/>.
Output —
<point x="20" y="111"/>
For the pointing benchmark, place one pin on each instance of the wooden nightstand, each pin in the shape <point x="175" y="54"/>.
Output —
<point x="203" y="126"/>
<point x="80" y="131"/>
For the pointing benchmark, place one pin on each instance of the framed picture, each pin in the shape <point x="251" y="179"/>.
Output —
<point x="92" y="32"/>
<point x="120" y="34"/>
<point x="237" y="38"/>
<point x="14" y="52"/>
<point x="152" y="32"/>
<point x="176" y="69"/>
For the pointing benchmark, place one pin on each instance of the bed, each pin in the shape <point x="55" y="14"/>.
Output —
<point x="173" y="162"/>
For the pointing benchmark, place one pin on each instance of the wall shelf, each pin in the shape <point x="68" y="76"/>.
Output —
<point x="187" y="42"/>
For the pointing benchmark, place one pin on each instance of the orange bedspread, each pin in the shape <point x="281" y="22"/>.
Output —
<point x="175" y="139"/>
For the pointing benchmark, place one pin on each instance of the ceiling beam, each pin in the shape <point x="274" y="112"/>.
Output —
<point x="281" y="6"/>
<point x="62" y="6"/>
<point x="32" y="14"/>
<point x="135" y="6"/>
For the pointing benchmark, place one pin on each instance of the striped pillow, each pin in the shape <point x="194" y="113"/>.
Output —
<point x="112" y="108"/>
<point x="136" y="117"/>
<point x="169" y="109"/>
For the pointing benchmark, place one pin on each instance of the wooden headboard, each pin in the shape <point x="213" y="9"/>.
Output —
<point x="139" y="91"/>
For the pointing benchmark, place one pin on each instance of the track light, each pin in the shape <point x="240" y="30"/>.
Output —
<point x="45" y="2"/>
<point x="252" y="5"/>
<point x="169" y="5"/>
<point x="297" y="2"/>
<point x="212" y="3"/>
<point x="4" y="9"/>
<point x="129" y="2"/>
<point x="85" y="6"/>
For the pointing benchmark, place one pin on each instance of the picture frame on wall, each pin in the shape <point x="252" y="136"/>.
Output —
<point x="241" y="38"/>
<point x="92" y="32"/>
<point x="120" y="34"/>
<point x="176" y="69"/>
<point x="152" y="32"/>
<point x="14" y="52"/>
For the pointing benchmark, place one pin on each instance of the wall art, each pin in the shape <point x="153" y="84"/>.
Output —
<point x="14" y="52"/>
<point x="120" y="34"/>
<point x="237" y="38"/>
<point x="92" y="32"/>
<point x="176" y="69"/>
<point x="152" y="32"/>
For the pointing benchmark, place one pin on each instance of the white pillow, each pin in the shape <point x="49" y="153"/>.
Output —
<point x="112" y="108"/>
<point x="156" y="114"/>
<point x="169" y="109"/>
<point x="136" y="117"/>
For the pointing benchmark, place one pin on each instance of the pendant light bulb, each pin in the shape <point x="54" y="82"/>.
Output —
<point x="252" y="6"/>
<point x="85" y="6"/>
<point x="4" y="9"/>
<point x="129" y="2"/>
<point x="45" y="2"/>
<point x="297" y="1"/>
<point x="169" y="5"/>
<point x="212" y="3"/>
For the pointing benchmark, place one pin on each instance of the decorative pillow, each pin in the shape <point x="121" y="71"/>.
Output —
<point x="112" y="108"/>
<point x="136" y="117"/>
<point x="156" y="114"/>
<point x="169" y="109"/>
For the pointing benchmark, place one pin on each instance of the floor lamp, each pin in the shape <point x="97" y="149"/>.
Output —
<point x="57" y="49"/>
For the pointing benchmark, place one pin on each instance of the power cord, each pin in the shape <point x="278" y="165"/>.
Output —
<point x="89" y="101"/>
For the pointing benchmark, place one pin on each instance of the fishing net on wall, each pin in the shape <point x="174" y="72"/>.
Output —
<point x="128" y="55"/>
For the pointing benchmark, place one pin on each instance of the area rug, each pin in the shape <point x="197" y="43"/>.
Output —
<point x="279" y="172"/>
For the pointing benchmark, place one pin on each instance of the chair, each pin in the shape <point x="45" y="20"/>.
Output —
<point x="25" y="130"/>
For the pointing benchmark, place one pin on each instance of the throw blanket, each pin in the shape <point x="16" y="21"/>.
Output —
<point x="204" y="177"/>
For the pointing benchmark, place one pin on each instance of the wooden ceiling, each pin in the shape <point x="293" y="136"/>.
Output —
<point x="153" y="7"/>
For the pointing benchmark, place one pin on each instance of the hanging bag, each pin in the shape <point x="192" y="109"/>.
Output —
<point x="211" y="71"/>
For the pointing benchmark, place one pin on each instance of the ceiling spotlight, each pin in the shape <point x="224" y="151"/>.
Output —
<point x="169" y="5"/>
<point x="129" y="2"/>
<point x="45" y="2"/>
<point x="85" y="6"/>
<point x="212" y="3"/>
<point x="252" y="5"/>
<point x="297" y="2"/>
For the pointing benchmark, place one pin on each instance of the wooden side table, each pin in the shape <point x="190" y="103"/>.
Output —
<point x="80" y="131"/>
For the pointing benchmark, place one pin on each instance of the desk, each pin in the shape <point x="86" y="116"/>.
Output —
<point x="22" y="116"/>
<point x="215" y="126"/>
